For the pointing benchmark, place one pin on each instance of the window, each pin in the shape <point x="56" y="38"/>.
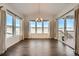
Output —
<point x="18" y="26"/>
<point x="9" y="25"/>
<point x="61" y="24"/>
<point x="32" y="26"/>
<point x="39" y="27"/>
<point x="13" y="25"/>
<point x="69" y="24"/>
<point x="46" y="26"/>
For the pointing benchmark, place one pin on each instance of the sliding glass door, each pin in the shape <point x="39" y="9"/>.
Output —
<point x="66" y="30"/>
<point x="70" y="31"/>
<point x="61" y="29"/>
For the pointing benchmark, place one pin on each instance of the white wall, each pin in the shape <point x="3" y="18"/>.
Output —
<point x="2" y="38"/>
<point x="26" y="27"/>
<point x="66" y="9"/>
<point x="53" y="28"/>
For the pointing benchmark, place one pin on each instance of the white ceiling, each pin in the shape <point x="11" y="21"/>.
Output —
<point x="45" y="8"/>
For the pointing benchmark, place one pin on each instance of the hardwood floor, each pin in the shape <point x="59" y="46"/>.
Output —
<point x="38" y="47"/>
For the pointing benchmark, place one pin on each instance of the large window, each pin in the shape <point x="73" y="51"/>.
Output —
<point x="39" y="27"/>
<point x="9" y="25"/>
<point x="46" y="26"/>
<point x="13" y="25"/>
<point x="32" y="26"/>
<point x="70" y="24"/>
<point x="18" y="26"/>
<point x="61" y="24"/>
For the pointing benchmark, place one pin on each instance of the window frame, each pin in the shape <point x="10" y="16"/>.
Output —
<point x="17" y="18"/>
<point x="8" y="13"/>
<point x="70" y="19"/>
<point x="41" y="27"/>
<point x="62" y="25"/>
<point x="13" y="24"/>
